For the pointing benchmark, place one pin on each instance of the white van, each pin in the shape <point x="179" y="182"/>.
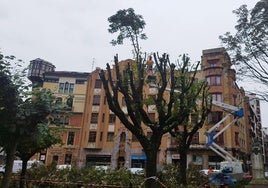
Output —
<point x="17" y="166"/>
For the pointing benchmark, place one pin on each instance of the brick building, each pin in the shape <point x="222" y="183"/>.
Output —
<point x="95" y="136"/>
<point x="107" y="142"/>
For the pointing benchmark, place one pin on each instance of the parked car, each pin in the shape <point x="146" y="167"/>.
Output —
<point x="205" y="171"/>
<point x="139" y="171"/>
<point x="64" y="166"/>
<point x="101" y="167"/>
<point x="2" y="169"/>
<point x="17" y="166"/>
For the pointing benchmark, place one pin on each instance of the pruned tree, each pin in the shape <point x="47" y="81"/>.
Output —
<point x="173" y="108"/>
<point x="21" y="111"/>
<point x="248" y="47"/>
<point x="198" y="102"/>
<point x="130" y="26"/>
<point x="174" y="102"/>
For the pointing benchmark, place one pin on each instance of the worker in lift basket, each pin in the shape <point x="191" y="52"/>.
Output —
<point x="210" y="170"/>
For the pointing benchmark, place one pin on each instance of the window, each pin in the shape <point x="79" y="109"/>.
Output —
<point x="98" y="83"/>
<point x="236" y="138"/>
<point x="71" y="88"/>
<point x="219" y="139"/>
<point x="70" y="140"/>
<point x="61" y="86"/>
<point x="68" y="159"/>
<point x="92" y="136"/>
<point x="214" y="117"/>
<point x="110" y="136"/>
<point x="64" y="120"/>
<point x="234" y="100"/>
<point x="197" y="159"/>
<point x="96" y="99"/>
<point x="79" y="81"/>
<point x="112" y="118"/>
<point x="212" y="62"/>
<point x="94" y="118"/>
<point x="123" y="137"/>
<point x="52" y="80"/>
<point x="217" y="97"/>
<point x="66" y="87"/>
<point x="195" y="139"/>
<point x="214" y="80"/>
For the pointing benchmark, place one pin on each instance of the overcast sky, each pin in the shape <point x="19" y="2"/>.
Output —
<point x="73" y="34"/>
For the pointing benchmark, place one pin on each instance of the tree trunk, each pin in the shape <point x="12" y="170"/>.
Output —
<point x="150" y="173"/>
<point x="182" y="179"/>
<point x="10" y="155"/>
<point x="23" y="173"/>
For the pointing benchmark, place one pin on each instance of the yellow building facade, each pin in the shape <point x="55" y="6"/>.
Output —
<point x="69" y="88"/>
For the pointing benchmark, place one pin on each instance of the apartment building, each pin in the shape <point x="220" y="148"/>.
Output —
<point x="265" y="150"/>
<point x="69" y="88"/>
<point x="106" y="141"/>
<point x="95" y="136"/>
<point x="221" y="78"/>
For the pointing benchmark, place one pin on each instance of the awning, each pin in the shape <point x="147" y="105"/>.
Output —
<point x="98" y="156"/>
<point x="138" y="157"/>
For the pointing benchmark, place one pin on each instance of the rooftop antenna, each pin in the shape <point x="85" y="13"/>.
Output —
<point x="92" y="65"/>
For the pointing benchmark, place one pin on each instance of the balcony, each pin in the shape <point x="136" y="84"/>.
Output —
<point x="93" y="126"/>
<point x="97" y="91"/>
<point x="91" y="145"/>
<point x="95" y="109"/>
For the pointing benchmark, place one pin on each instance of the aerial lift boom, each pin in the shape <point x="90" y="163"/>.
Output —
<point x="211" y="133"/>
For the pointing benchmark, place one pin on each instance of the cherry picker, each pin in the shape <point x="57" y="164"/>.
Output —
<point x="231" y="168"/>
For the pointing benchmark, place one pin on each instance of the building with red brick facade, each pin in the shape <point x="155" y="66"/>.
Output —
<point x="106" y="141"/>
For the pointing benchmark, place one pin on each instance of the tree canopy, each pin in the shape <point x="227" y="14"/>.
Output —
<point x="248" y="47"/>
<point x="22" y="112"/>
<point x="130" y="26"/>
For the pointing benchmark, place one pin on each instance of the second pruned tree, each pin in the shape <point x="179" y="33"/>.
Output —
<point x="179" y="95"/>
